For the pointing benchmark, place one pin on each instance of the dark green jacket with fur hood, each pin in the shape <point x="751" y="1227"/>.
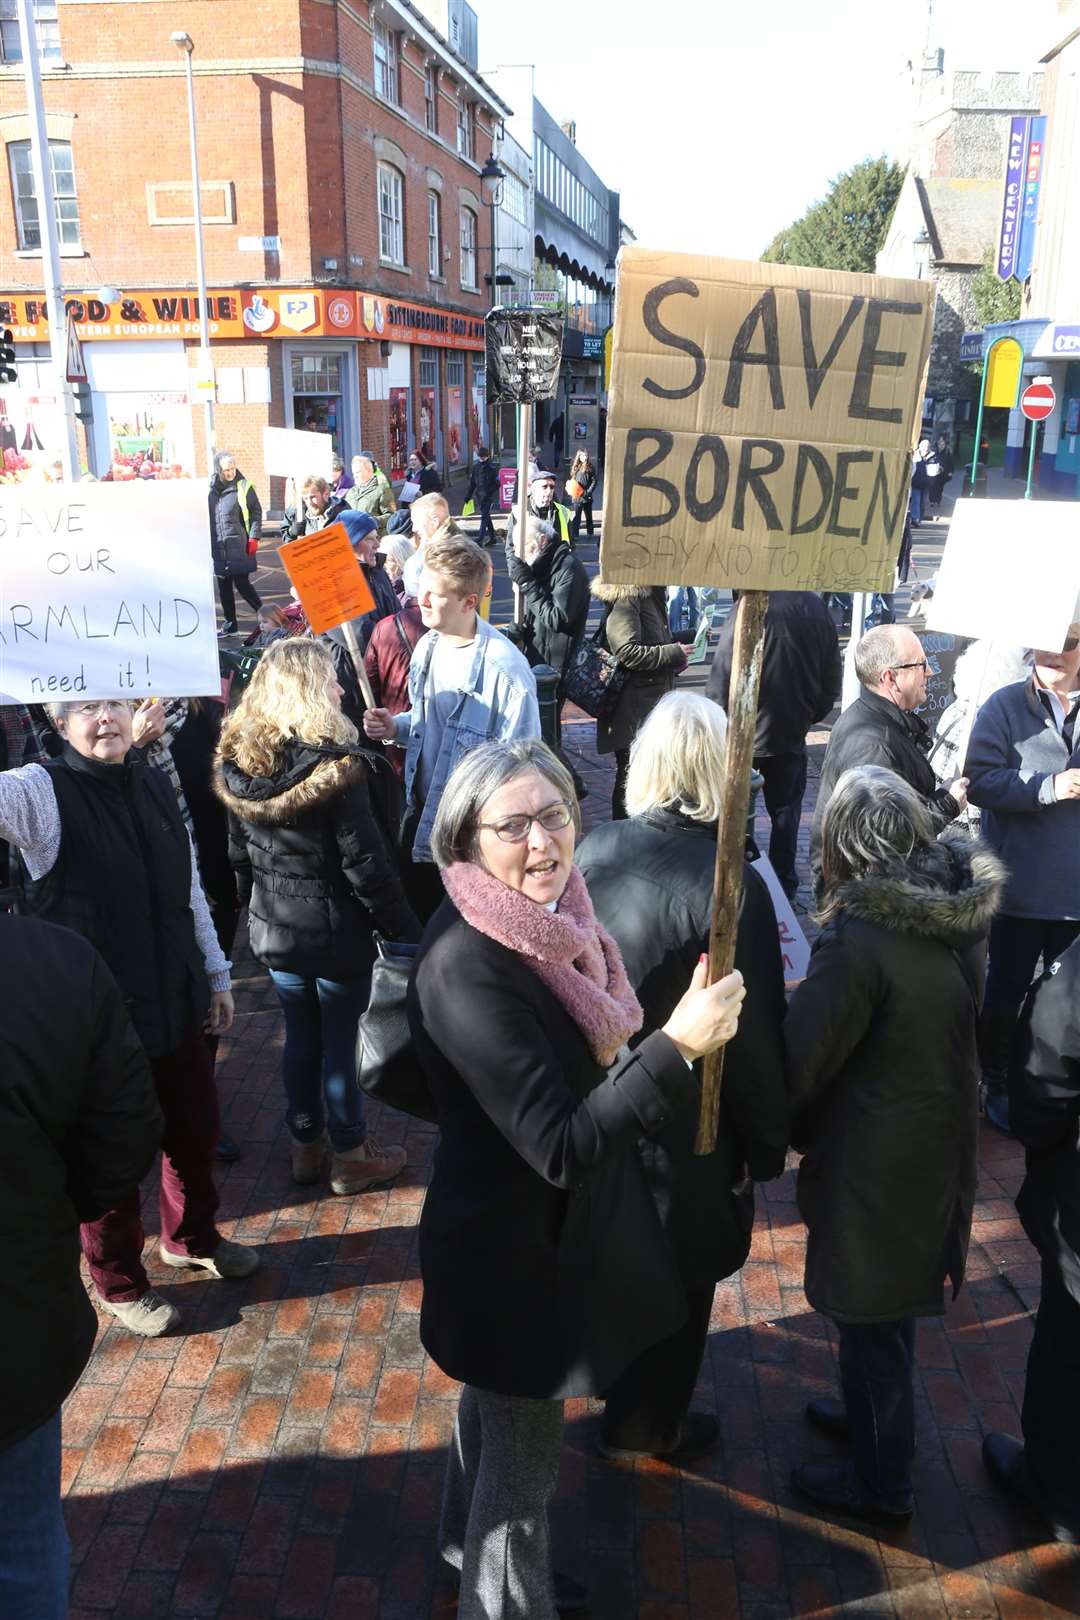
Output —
<point x="638" y="636"/>
<point x="883" y="1075"/>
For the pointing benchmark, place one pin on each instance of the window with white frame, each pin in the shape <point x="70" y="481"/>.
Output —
<point x="434" y="234"/>
<point x="431" y="97"/>
<point x="465" y="127"/>
<point x="391" y="215"/>
<point x="513" y="198"/>
<point x="27" y="218"/>
<point x="387" y="63"/>
<point x="46" y="24"/>
<point x="468" y="248"/>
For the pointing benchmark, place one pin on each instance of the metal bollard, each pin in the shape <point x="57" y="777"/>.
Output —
<point x="547" y="696"/>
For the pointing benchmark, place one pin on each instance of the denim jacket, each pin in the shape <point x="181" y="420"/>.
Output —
<point x="497" y="704"/>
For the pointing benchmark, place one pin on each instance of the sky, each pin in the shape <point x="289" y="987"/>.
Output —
<point x="720" y="121"/>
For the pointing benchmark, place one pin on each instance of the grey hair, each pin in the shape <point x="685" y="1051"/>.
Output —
<point x="221" y="456"/>
<point x="397" y="550"/>
<point x="873" y="824"/>
<point x="538" y="534"/>
<point x="877" y="651"/>
<point x="483" y="771"/>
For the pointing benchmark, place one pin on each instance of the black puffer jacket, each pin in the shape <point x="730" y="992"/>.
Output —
<point x="313" y="864"/>
<point x="79" y="1128"/>
<point x="555" y="593"/>
<point x="638" y="636"/>
<point x="883" y="1073"/>
<point x="651" y="882"/>
<point x="235" y="517"/>
<point x="801" y="672"/>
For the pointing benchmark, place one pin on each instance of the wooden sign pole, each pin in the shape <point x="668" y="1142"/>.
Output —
<point x="358" y="665"/>
<point x="731" y="842"/>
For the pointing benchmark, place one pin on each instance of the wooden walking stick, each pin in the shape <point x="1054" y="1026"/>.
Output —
<point x="731" y="842"/>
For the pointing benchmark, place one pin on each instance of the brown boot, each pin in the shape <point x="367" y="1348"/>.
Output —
<point x="368" y="1165"/>
<point x="307" y="1160"/>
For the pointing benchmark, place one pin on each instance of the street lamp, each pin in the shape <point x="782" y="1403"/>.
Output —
<point x="922" y="244"/>
<point x="491" y="189"/>
<point x="184" y="42"/>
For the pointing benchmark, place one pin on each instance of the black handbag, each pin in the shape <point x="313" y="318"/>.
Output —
<point x="387" y="1067"/>
<point x="594" y="678"/>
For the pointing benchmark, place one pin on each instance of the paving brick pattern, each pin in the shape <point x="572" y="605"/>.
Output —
<point x="280" y="1458"/>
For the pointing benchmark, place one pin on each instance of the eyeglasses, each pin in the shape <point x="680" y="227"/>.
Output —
<point x="515" y="829"/>
<point x="920" y="663"/>
<point x="110" y="709"/>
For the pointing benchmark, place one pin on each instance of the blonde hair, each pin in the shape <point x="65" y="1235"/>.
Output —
<point x="425" y="505"/>
<point x="287" y="700"/>
<point x="677" y="759"/>
<point x="465" y="566"/>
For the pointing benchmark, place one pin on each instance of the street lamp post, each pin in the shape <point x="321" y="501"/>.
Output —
<point x="491" y="187"/>
<point x="184" y="42"/>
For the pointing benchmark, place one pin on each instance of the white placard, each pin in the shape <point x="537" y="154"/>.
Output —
<point x="230" y="386"/>
<point x="295" y="453"/>
<point x="1010" y="572"/>
<point x="257" y="385"/>
<point x="793" y="943"/>
<point x="106" y="591"/>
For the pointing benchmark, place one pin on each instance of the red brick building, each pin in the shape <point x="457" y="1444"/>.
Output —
<point x="340" y="148"/>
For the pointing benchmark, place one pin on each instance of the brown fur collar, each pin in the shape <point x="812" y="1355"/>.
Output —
<point x="271" y="802"/>
<point x="619" y="593"/>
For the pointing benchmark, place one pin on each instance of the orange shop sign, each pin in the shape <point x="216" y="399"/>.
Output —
<point x="247" y="312"/>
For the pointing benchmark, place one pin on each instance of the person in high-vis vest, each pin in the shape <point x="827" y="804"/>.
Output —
<point x="543" y="505"/>
<point x="235" y="530"/>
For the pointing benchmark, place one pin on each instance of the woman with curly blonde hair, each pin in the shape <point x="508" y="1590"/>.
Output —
<point x="318" y="876"/>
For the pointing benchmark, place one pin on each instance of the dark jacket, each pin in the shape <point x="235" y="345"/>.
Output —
<point x="79" y="1128"/>
<point x="1044" y="1114"/>
<point x="193" y="748"/>
<point x="1014" y="754"/>
<point x="122" y="880"/>
<point x="545" y="1268"/>
<point x="873" y="731"/>
<point x="483" y="481"/>
<point x="651" y="883"/>
<point x="883" y="1075"/>
<point x="235" y="517"/>
<point x="300" y="521"/>
<point x="313" y="863"/>
<point x="801" y="671"/>
<point x="637" y="634"/>
<point x="555" y="594"/>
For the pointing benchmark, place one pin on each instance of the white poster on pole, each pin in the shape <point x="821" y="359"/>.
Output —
<point x="794" y="947"/>
<point x="1010" y="572"/>
<point x="295" y="453"/>
<point x="106" y="591"/>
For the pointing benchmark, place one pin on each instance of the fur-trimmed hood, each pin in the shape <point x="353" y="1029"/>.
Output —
<point x="620" y="593"/>
<point x="951" y="892"/>
<point x="306" y="778"/>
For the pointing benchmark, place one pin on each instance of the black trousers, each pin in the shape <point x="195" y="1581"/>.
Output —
<point x="487" y="528"/>
<point x="618" y="792"/>
<point x="227" y="588"/>
<point x="648" y="1402"/>
<point x="584" y="505"/>
<point x="1016" y="944"/>
<point x="785" y="784"/>
<point x="1051" y="1413"/>
<point x="877" y="1361"/>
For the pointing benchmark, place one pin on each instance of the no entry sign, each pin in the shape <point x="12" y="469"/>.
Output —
<point x="1037" y="401"/>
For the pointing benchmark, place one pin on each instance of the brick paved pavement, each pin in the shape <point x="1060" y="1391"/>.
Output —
<point x="282" y="1455"/>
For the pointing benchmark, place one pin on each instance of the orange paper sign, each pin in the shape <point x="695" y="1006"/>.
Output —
<point x="328" y="578"/>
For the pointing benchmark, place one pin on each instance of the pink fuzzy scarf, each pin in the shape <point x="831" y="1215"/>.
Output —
<point x="576" y="958"/>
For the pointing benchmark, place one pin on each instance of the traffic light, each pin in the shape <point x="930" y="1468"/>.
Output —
<point x="84" y="402"/>
<point x="8" y="374"/>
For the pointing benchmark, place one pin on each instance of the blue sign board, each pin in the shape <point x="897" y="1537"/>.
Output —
<point x="971" y="346"/>
<point x="1066" y="340"/>
<point x="1012" y="204"/>
<point x="1033" y="170"/>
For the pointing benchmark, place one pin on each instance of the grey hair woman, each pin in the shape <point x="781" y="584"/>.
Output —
<point x="882" y="1071"/>
<point x="650" y="879"/>
<point x="545" y="1271"/>
<point x="235" y="530"/>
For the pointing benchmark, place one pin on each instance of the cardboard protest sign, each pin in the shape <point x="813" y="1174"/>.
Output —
<point x="106" y="591"/>
<point x="1010" y="572"/>
<point x="794" y="946"/>
<point x="294" y="453"/>
<point x="760" y="423"/>
<point x="328" y="578"/>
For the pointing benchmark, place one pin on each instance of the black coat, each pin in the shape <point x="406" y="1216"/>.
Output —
<point x="638" y="636"/>
<point x="232" y="524"/>
<point x="883" y="1074"/>
<point x="483" y="481"/>
<point x="555" y="593"/>
<point x="651" y="883"/>
<point x="1044" y="1114"/>
<point x="545" y="1268"/>
<point x="801" y="671"/>
<point x="873" y="731"/>
<point x="313" y="864"/>
<point x="79" y="1128"/>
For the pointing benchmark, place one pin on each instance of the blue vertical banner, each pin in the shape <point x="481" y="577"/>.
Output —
<point x="1012" y="204"/>
<point x="1033" y="171"/>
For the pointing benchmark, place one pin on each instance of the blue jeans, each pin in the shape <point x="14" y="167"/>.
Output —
<point x="34" y="1552"/>
<point x="918" y="502"/>
<point x="319" y="1063"/>
<point x="877" y="1362"/>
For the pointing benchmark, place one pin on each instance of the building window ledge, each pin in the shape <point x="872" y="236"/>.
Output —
<point x="66" y="252"/>
<point x="466" y="288"/>
<point x="439" y="281"/>
<point x="398" y="269"/>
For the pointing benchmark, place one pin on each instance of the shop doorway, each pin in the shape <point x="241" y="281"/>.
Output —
<point x="320" y="383"/>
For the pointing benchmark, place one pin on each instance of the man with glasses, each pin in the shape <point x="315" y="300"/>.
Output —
<point x="1024" y="765"/>
<point x="882" y="728"/>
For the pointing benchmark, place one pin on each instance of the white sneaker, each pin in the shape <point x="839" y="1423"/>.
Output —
<point x="149" y="1316"/>
<point x="228" y="1260"/>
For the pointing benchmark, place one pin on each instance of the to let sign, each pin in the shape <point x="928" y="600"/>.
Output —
<point x="1037" y="401"/>
<point x="760" y="423"/>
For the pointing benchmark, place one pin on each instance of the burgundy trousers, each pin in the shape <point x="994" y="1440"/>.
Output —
<point x="113" y="1245"/>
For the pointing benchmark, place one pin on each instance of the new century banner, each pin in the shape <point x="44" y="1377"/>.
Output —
<point x="760" y="423"/>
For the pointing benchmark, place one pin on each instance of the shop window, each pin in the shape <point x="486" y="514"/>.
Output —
<point x="513" y="199"/>
<point x="316" y="374"/>
<point x="455" y="370"/>
<point x="429" y="368"/>
<point x="468" y="248"/>
<point x="46" y="25"/>
<point x="27" y="220"/>
<point x="391" y="215"/>
<point x="317" y="394"/>
<point x="431" y="97"/>
<point x="387" y="49"/>
<point x="465" y="115"/>
<point x="434" y="235"/>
